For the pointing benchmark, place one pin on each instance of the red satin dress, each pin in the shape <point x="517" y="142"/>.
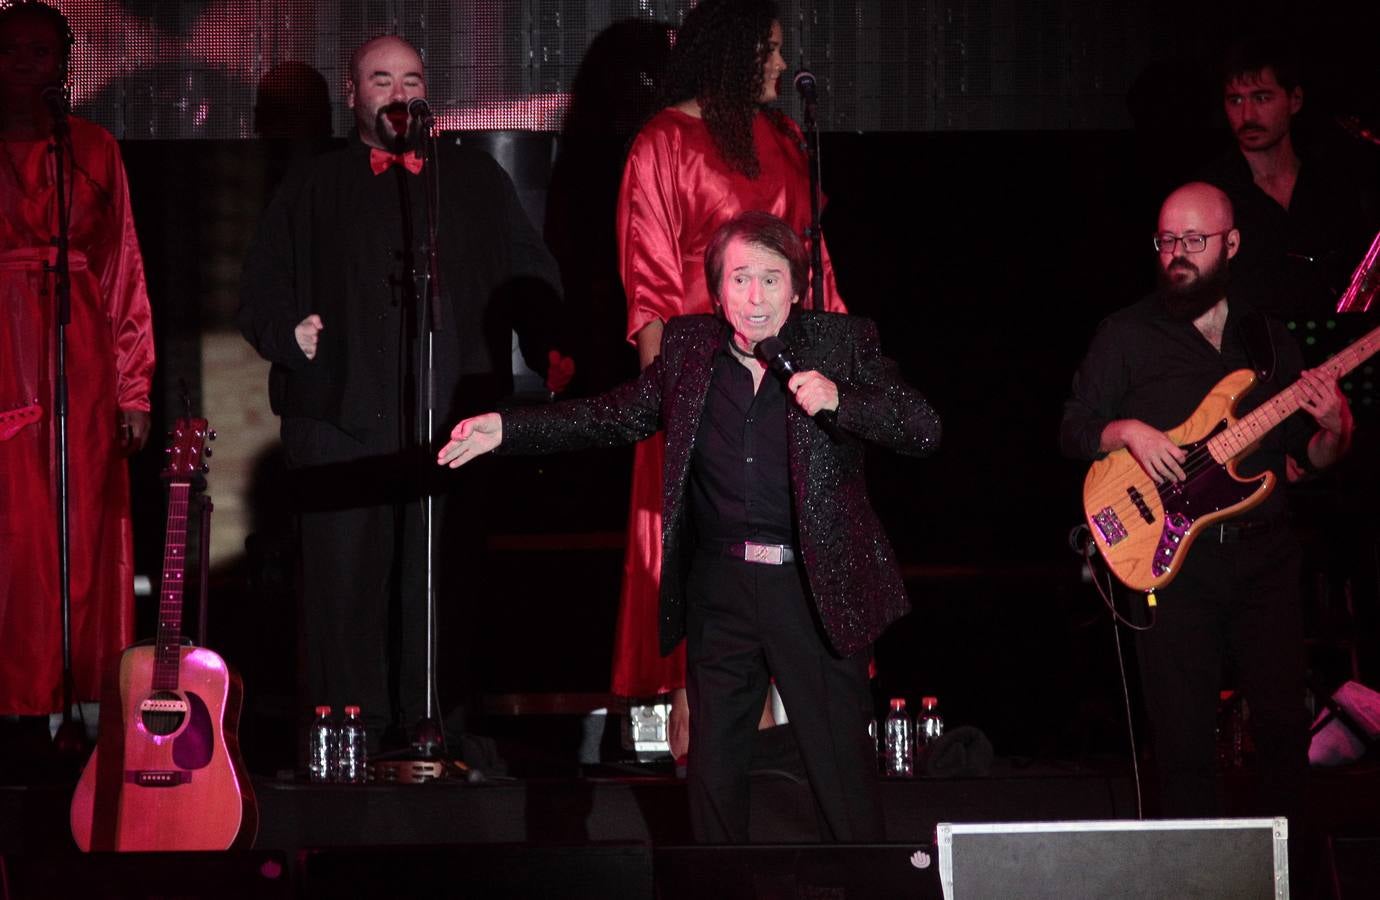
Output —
<point x="109" y="366"/>
<point x="677" y="190"/>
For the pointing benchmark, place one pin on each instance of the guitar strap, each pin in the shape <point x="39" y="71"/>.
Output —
<point x="1260" y="344"/>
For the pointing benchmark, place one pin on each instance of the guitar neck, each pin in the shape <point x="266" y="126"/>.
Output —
<point x="168" y="646"/>
<point x="1248" y="431"/>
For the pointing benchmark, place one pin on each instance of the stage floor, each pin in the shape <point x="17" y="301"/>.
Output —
<point x="592" y="836"/>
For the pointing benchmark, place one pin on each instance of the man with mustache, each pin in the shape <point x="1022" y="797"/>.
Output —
<point x="1235" y="599"/>
<point x="1306" y="201"/>
<point x="331" y="296"/>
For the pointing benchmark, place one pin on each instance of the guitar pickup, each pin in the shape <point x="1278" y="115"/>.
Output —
<point x="153" y="778"/>
<point x="163" y="705"/>
<point x="1138" y="499"/>
<point x="1109" y="526"/>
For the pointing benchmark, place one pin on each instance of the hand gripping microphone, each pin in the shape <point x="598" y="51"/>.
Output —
<point x="773" y="354"/>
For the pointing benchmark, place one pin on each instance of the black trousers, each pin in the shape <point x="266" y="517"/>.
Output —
<point x="1237" y="604"/>
<point x="746" y="624"/>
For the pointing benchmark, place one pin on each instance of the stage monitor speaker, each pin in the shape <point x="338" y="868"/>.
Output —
<point x="487" y="871"/>
<point x="1182" y="858"/>
<point x="227" y="875"/>
<point x="779" y="871"/>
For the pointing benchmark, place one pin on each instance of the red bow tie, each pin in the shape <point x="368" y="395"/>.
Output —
<point x="381" y="160"/>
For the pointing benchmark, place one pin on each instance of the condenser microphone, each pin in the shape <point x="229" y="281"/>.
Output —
<point x="772" y="353"/>
<point x="805" y="85"/>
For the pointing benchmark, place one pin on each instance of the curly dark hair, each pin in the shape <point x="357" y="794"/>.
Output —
<point x="16" y="9"/>
<point x="717" y="59"/>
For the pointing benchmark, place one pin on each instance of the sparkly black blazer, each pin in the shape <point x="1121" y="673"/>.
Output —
<point x="849" y="562"/>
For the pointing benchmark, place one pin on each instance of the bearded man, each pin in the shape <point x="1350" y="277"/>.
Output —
<point x="1236" y="597"/>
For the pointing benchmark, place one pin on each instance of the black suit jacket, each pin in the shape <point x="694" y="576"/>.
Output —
<point x="849" y="562"/>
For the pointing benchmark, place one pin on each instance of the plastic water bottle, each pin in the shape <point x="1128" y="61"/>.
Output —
<point x="352" y="762"/>
<point x="321" y="747"/>
<point x="900" y="741"/>
<point x="931" y="723"/>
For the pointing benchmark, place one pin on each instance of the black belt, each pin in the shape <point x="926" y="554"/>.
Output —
<point x="767" y="554"/>
<point x="1231" y="532"/>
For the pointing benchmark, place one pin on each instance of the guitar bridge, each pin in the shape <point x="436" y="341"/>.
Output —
<point x="1109" y="526"/>
<point x="153" y="778"/>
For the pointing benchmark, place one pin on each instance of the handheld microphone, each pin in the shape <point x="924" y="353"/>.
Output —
<point x="773" y="354"/>
<point x="805" y="85"/>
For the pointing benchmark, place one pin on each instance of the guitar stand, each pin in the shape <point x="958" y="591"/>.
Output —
<point x="416" y="770"/>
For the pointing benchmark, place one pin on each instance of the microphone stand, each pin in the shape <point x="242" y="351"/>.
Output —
<point x="70" y="738"/>
<point x="428" y="738"/>
<point x="815" y="233"/>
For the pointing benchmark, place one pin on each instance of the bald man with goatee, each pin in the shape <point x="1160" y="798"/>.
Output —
<point x="1235" y="599"/>
<point x="331" y="296"/>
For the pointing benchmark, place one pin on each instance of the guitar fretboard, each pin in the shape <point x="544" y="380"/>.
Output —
<point x="168" y="649"/>
<point x="1252" y="427"/>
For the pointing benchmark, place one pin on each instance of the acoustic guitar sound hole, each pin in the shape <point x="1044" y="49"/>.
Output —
<point x="163" y="712"/>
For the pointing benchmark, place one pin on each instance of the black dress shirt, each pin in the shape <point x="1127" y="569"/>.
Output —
<point x="1294" y="263"/>
<point x="739" y="485"/>
<point x="1143" y="364"/>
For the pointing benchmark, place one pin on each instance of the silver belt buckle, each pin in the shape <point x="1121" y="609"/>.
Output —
<point x="770" y="554"/>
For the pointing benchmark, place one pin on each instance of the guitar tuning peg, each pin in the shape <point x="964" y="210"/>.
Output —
<point x="207" y="451"/>
<point x="205" y="468"/>
<point x="211" y="435"/>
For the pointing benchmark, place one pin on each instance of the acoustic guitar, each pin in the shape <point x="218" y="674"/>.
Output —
<point x="1142" y="528"/>
<point x="166" y="773"/>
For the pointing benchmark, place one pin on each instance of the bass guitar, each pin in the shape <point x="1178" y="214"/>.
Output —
<point x="166" y="773"/>
<point x="1142" y="528"/>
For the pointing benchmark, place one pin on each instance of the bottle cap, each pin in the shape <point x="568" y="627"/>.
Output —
<point x="929" y="702"/>
<point x="323" y="710"/>
<point x="352" y="710"/>
<point x="898" y="702"/>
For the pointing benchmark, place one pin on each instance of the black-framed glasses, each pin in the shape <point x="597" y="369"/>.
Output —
<point x="1193" y="243"/>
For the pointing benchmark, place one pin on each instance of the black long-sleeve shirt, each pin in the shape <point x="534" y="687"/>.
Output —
<point x="740" y="485"/>
<point x="337" y="241"/>
<point x="1143" y="364"/>
<point x="1294" y="263"/>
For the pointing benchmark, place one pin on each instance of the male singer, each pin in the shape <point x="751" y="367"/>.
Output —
<point x="775" y="564"/>
<point x="330" y="296"/>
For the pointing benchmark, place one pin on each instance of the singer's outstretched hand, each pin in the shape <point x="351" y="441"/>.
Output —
<point x="308" y="332"/>
<point x="472" y="437"/>
<point x="814" y="392"/>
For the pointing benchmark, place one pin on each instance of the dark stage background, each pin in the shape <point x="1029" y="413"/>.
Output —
<point x="993" y="171"/>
